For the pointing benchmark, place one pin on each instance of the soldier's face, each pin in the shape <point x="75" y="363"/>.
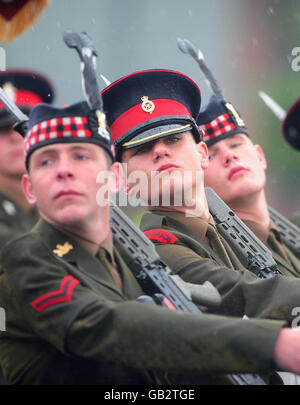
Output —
<point x="64" y="184"/>
<point x="236" y="168"/>
<point x="12" y="162"/>
<point x="172" y="166"/>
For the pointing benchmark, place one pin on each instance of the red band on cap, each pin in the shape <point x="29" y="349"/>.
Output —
<point x="136" y="115"/>
<point x="26" y="98"/>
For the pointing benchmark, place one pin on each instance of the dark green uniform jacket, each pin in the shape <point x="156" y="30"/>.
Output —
<point x="13" y="220"/>
<point x="67" y="322"/>
<point x="287" y="262"/>
<point x="184" y="245"/>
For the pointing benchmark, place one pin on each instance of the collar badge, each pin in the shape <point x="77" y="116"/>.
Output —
<point x="62" y="250"/>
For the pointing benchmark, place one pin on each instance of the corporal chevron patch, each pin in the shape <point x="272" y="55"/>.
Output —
<point x="161" y="235"/>
<point x="63" y="294"/>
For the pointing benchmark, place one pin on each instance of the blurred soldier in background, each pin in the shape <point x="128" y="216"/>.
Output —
<point x="291" y="131"/>
<point x="236" y="172"/>
<point x="26" y="89"/>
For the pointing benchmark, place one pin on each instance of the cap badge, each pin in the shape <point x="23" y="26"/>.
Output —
<point x="238" y="119"/>
<point x="102" y="130"/>
<point x="147" y="105"/>
<point x="62" y="250"/>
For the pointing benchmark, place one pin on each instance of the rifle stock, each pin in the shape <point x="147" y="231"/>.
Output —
<point x="155" y="277"/>
<point x="289" y="232"/>
<point x="252" y="253"/>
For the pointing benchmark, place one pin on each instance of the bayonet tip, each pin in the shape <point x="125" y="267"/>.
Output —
<point x="182" y="45"/>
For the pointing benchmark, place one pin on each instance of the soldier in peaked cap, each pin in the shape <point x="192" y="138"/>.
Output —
<point x="26" y="89"/>
<point x="69" y="295"/>
<point x="162" y="144"/>
<point x="290" y="129"/>
<point x="166" y="104"/>
<point x="236" y="172"/>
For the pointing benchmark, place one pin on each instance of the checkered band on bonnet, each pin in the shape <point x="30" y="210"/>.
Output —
<point x="57" y="128"/>
<point x="75" y="123"/>
<point x="219" y="126"/>
<point x="219" y="120"/>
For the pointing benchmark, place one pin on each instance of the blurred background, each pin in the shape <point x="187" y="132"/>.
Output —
<point x="247" y="44"/>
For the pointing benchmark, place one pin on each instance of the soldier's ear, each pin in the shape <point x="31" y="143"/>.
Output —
<point x="261" y="156"/>
<point x="118" y="182"/>
<point x="28" y="189"/>
<point x="203" y="150"/>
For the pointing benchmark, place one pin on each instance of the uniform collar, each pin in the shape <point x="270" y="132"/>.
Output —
<point x="60" y="243"/>
<point x="262" y="232"/>
<point x="195" y="224"/>
<point x="69" y="250"/>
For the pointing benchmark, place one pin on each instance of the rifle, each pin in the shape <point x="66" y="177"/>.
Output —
<point x="156" y="279"/>
<point x="252" y="253"/>
<point x="289" y="232"/>
<point x="152" y="273"/>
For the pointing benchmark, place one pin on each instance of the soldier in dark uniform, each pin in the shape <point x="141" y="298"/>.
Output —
<point x="150" y="114"/>
<point x="26" y="89"/>
<point x="290" y="129"/>
<point x="70" y="300"/>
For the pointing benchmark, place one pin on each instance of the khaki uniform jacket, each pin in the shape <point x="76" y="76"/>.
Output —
<point x="180" y="246"/>
<point x="68" y="323"/>
<point x="13" y="220"/>
<point x="286" y="260"/>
